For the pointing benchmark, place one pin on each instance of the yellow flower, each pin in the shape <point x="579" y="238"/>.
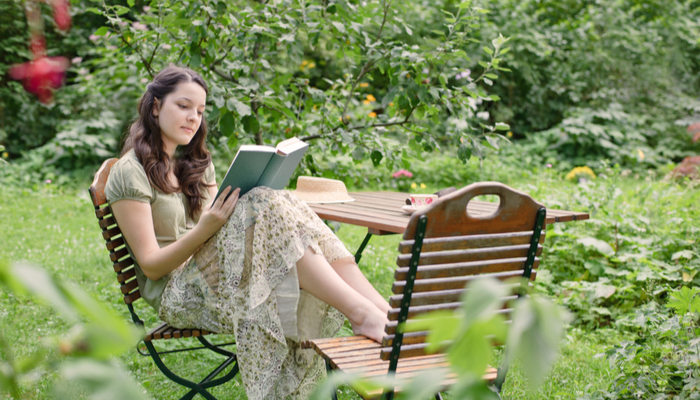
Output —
<point x="640" y="155"/>
<point x="413" y="185"/>
<point x="364" y="84"/>
<point x="509" y="134"/>
<point x="580" y="173"/>
<point x="371" y="98"/>
<point x="391" y="104"/>
<point x="372" y="114"/>
<point x="5" y="154"/>
<point x="311" y="65"/>
<point x="422" y="185"/>
<point x="315" y="107"/>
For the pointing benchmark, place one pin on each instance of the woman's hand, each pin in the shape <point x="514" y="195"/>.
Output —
<point x="214" y="217"/>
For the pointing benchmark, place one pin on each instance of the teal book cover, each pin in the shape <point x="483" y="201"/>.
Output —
<point x="268" y="166"/>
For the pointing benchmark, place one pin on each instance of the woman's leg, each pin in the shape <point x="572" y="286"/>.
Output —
<point x="351" y="274"/>
<point x="317" y="277"/>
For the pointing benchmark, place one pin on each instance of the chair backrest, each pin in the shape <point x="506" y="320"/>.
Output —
<point x="123" y="264"/>
<point x="444" y="248"/>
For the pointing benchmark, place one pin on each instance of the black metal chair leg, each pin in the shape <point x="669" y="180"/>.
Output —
<point x="202" y="386"/>
<point x="358" y="253"/>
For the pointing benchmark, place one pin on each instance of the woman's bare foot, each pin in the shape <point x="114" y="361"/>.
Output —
<point x="369" y="322"/>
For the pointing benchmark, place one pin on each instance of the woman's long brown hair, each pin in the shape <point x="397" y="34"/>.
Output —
<point x="144" y="137"/>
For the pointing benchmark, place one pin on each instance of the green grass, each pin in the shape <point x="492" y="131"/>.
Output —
<point x="56" y="228"/>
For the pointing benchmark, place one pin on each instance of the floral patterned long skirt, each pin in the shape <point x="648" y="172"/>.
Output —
<point x="243" y="281"/>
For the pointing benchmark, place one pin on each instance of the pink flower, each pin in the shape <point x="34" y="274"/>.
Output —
<point x="402" y="173"/>
<point x="139" y="26"/>
<point x="41" y="76"/>
<point x="60" y="14"/>
<point x="549" y="165"/>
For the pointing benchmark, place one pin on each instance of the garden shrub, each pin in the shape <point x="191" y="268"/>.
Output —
<point x="594" y="79"/>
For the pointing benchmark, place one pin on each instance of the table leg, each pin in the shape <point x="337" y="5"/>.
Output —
<point x="358" y="254"/>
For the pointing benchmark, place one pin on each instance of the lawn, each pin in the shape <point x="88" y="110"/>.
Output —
<point x="55" y="227"/>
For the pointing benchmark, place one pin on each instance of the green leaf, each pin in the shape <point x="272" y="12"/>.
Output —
<point x="103" y="380"/>
<point x="464" y="152"/>
<point x="535" y="332"/>
<point x="501" y="126"/>
<point x="101" y="31"/>
<point x="130" y="2"/>
<point x="442" y="326"/>
<point x="40" y="284"/>
<point x="241" y="108"/>
<point x="227" y="123"/>
<point x="599" y="245"/>
<point x="685" y="300"/>
<point x="683" y="254"/>
<point x="250" y="124"/>
<point x="120" y="10"/>
<point x="376" y="157"/>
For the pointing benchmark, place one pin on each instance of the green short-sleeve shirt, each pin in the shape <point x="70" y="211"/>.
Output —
<point x="128" y="180"/>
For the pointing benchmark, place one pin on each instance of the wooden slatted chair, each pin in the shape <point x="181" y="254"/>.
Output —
<point x="124" y="267"/>
<point x="443" y="249"/>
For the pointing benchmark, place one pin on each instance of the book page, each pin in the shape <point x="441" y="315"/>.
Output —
<point x="282" y="167"/>
<point x="290" y="145"/>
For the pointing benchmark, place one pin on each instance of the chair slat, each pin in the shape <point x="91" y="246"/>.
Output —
<point x="119" y="254"/>
<point x="454" y="282"/>
<point x="437" y="297"/>
<point x="128" y="287"/>
<point x="469" y="241"/>
<point x="390" y="328"/>
<point x="122" y="265"/>
<point x="107" y="222"/>
<point x="115" y="244"/>
<point x="132" y="297"/>
<point x="414" y="310"/>
<point x="468" y="255"/>
<point x="125" y="275"/>
<point x="102" y="212"/>
<point x="467" y="268"/>
<point x="110" y="234"/>
<point x="157" y="332"/>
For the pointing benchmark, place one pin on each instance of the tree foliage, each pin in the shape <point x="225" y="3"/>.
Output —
<point x="595" y="79"/>
<point x="362" y="79"/>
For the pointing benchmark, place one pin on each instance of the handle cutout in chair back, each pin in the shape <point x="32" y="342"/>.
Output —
<point x="449" y="216"/>
<point x="489" y="198"/>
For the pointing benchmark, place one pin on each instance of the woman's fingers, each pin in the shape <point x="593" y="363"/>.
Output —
<point x="230" y="203"/>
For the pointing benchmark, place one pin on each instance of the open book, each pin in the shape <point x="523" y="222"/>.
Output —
<point x="269" y="166"/>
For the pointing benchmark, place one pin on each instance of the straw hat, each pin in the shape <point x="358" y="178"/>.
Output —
<point x="321" y="190"/>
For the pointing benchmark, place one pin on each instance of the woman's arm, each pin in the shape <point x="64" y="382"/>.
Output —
<point x="136" y="223"/>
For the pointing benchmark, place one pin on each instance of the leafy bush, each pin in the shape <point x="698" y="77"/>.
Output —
<point x="594" y="79"/>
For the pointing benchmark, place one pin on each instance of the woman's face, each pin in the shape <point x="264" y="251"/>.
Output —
<point x="180" y="115"/>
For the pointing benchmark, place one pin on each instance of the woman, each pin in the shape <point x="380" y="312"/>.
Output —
<point x="235" y="265"/>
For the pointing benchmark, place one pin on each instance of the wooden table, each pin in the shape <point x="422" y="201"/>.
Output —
<point x="381" y="214"/>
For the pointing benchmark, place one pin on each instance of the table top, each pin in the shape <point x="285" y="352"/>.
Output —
<point x="381" y="212"/>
